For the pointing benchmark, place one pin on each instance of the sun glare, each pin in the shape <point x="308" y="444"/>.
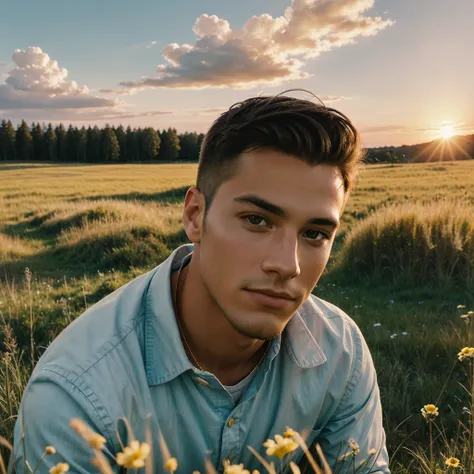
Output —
<point x="446" y="131"/>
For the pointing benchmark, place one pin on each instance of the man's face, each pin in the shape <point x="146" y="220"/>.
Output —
<point x="269" y="229"/>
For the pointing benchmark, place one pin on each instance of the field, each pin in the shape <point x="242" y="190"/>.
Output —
<point x="83" y="231"/>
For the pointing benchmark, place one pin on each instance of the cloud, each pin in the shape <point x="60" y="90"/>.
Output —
<point x="383" y="129"/>
<point x="118" y="91"/>
<point x="37" y="82"/>
<point x="265" y="49"/>
<point x="150" y="44"/>
<point x="83" y="115"/>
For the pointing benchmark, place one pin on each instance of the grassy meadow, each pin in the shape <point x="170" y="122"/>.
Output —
<point x="402" y="263"/>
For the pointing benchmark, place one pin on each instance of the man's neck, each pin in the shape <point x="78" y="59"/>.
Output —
<point x="214" y="344"/>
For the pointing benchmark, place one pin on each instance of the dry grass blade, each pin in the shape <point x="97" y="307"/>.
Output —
<point x="294" y="468"/>
<point x="210" y="469"/>
<point x="269" y="467"/>
<point x="149" y="440"/>
<point x="101" y="462"/>
<point x="164" y="448"/>
<point x="129" y="429"/>
<point x="327" y="469"/>
<point x="5" y="443"/>
<point x="310" y="457"/>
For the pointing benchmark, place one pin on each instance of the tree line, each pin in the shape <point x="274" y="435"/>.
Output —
<point x="95" y="145"/>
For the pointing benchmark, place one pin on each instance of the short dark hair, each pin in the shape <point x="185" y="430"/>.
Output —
<point x="307" y="130"/>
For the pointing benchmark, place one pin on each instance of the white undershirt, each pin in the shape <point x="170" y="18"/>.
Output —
<point x="238" y="389"/>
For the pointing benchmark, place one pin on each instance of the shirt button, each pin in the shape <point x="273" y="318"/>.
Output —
<point x="202" y="381"/>
<point x="230" y="422"/>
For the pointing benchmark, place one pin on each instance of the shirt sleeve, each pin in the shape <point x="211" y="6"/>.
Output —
<point x="49" y="402"/>
<point x="355" y="429"/>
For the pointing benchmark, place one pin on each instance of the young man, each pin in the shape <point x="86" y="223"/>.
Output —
<point x="223" y="345"/>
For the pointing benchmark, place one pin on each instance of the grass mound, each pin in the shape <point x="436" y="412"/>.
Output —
<point x="117" y="246"/>
<point x="86" y="237"/>
<point x="64" y="218"/>
<point x="414" y="243"/>
<point x="120" y="236"/>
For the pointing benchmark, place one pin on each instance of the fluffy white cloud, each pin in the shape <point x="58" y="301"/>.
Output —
<point x="265" y="49"/>
<point x="37" y="81"/>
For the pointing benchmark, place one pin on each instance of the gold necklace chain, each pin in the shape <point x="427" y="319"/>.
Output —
<point x="182" y="332"/>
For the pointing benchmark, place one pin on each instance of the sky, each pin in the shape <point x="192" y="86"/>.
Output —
<point x="400" y="69"/>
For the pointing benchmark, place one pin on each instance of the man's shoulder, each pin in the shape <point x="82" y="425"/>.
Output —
<point x="328" y="313"/>
<point x="332" y="328"/>
<point x="99" y="330"/>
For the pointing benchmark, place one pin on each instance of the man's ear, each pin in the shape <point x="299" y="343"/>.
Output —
<point x="193" y="214"/>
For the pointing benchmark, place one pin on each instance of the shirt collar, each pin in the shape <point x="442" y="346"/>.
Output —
<point x="165" y="357"/>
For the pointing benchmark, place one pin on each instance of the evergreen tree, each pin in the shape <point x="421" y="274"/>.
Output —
<point x="150" y="144"/>
<point x="7" y="141"/>
<point x="169" y="148"/>
<point x="81" y="143"/>
<point x="200" y="140"/>
<point x="51" y="144"/>
<point x="122" y="141"/>
<point x="189" y="148"/>
<point x="110" y="149"/>
<point x="132" y="145"/>
<point x="38" y="142"/>
<point x="93" y="144"/>
<point x="71" y="144"/>
<point x="138" y="144"/>
<point x="23" y="142"/>
<point x="63" y="146"/>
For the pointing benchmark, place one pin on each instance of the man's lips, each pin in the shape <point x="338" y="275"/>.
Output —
<point x="270" y="298"/>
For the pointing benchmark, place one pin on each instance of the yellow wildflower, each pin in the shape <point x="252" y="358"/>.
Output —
<point x="452" y="462"/>
<point x="429" y="411"/>
<point x="60" y="468"/>
<point x="50" y="450"/>
<point x="372" y="451"/>
<point x="289" y="433"/>
<point x="465" y="316"/>
<point x="134" y="455"/>
<point x="171" y="465"/>
<point x="280" y="446"/>
<point x="234" y="468"/>
<point x="470" y="313"/>
<point x="355" y="449"/>
<point x="460" y="306"/>
<point x="466" y="352"/>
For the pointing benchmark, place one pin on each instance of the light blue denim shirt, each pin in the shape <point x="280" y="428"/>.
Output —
<point x="124" y="358"/>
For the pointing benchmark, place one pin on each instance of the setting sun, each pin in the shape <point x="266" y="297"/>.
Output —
<point x="446" y="131"/>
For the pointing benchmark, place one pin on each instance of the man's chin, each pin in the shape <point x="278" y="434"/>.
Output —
<point x="262" y="332"/>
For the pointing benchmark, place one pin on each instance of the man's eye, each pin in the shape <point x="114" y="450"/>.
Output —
<point x="314" y="234"/>
<point x="255" y="220"/>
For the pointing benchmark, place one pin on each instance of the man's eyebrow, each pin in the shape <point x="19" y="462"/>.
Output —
<point x="278" y="211"/>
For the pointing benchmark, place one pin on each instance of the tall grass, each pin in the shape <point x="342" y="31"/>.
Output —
<point x="11" y="248"/>
<point x="431" y="243"/>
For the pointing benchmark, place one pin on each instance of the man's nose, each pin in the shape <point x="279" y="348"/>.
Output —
<point x="283" y="256"/>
